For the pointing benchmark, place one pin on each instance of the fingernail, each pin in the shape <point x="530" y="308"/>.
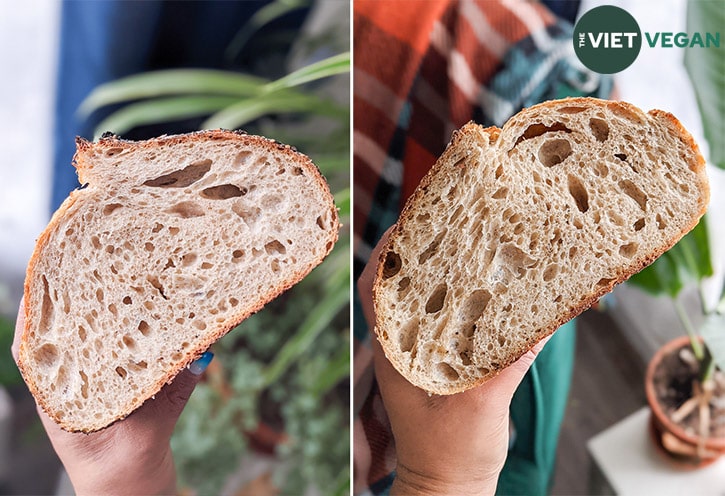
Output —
<point x="198" y="366"/>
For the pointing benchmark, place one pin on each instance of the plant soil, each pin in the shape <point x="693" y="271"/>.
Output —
<point x="673" y="383"/>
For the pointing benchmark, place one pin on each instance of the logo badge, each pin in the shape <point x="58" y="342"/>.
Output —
<point x="607" y="39"/>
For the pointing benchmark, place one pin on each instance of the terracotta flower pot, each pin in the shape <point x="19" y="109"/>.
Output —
<point x="671" y="439"/>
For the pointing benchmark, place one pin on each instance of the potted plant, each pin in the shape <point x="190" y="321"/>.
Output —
<point x="685" y="380"/>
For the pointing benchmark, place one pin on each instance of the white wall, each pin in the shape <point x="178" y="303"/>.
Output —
<point x="28" y="51"/>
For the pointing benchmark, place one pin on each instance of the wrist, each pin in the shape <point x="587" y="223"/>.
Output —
<point x="132" y="476"/>
<point x="409" y="482"/>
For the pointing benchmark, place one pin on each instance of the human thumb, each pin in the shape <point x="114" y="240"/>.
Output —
<point x="171" y="400"/>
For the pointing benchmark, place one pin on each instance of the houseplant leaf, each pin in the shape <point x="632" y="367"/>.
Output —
<point x="318" y="317"/>
<point x="259" y="19"/>
<point x="689" y="260"/>
<point x="713" y="333"/>
<point x="706" y="67"/>
<point x="337" y="64"/>
<point x="9" y="373"/>
<point x="171" y="82"/>
<point x="161" y="110"/>
<point x="245" y="111"/>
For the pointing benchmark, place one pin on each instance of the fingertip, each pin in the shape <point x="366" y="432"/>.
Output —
<point x="198" y="366"/>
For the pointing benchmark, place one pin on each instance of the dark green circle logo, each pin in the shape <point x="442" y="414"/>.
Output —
<point x="607" y="39"/>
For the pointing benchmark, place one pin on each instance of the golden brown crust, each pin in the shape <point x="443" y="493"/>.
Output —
<point x="82" y="160"/>
<point x="471" y="132"/>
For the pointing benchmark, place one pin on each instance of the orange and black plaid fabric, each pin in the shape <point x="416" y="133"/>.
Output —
<point x="421" y="70"/>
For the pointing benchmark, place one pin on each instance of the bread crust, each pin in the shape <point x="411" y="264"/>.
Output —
<point x="83" y="162"/>
<point x="466" y="138"/>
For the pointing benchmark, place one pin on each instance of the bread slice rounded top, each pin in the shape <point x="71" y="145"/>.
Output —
<point x="515" y="231"/>
<point x="169" y="244"/>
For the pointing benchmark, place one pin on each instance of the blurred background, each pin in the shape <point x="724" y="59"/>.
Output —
<point x="272" y="415"/>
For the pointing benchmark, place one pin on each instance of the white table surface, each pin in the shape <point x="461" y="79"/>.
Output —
<point x="628" y="459"/>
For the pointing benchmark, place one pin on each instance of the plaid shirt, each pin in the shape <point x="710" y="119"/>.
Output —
<point x="422" y="70"/>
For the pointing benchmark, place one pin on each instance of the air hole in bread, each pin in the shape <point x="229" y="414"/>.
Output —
<point x="499" y="171"/>
<point x="408" y="336"/>
<point x="631" y="190"/>
<point x="274" y="247"/>
<point x="465" y="357"/>
<point x="46" y="356"/>
<point x="84" y="384"/>
<point x="206" y="265"/>
<point x="554" y="151"/>
<point x="148" y="246"/>
<point x="617" y="219"/>
<point x="237" y="255"/>
<point x="187" y="210"/>
<point x="550" y="272"/>
<point x="436" y="299"/>
<point x="113" y="151"/>
<point x="403" y="284"/>
<point x="571" y="110"/>
<point x="47" y="309"/>
<point x="391" y="265"/>
<point x="639" y="224"/>
<point x="99" y="295"/>
<point x="223" y="192"/>
<point x="625" y="112"/>
<point x="181" y="178"/>
<point x="500" y="193"/>
<point x="110" y="208"/>
<point x="157" y="227"/>
<point x="233" y="302"/>
<point x="157" y="285"/>
<point x="600" y="129"/>
<point x="661" y="224"/>
<point x="144" y="328"/>
<point x="621" y="156"/>
<point x="474" y="305"/>
<point x="535" y="130"/>
<point x="242" y="157"/>
<point x="601" y="169"/>
<point x="173" y="231"/>
<point x="431" y="249"/>
<point x="129" y="342"/>
<point x="605" y="282"/>
<point x="121" y="372"/>
<point x="127" y="300"/>
<point x="249" y="214"/>
<point x="456" y="214"/>
<point x="274" y="265"/>
<point x="297" y="171"/>
<point x="629" y="250"/>
<point x="448" y="372"/>
<point x="320" y="222"/>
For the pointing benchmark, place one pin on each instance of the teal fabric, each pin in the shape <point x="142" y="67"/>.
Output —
<point x="537" y="410"/>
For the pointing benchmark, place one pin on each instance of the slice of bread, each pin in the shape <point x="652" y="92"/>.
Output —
<point x="170" y="244"/>
<point x="515" y="231"/>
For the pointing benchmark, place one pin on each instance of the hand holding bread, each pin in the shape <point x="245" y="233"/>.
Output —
<point x="443" y="444"/>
